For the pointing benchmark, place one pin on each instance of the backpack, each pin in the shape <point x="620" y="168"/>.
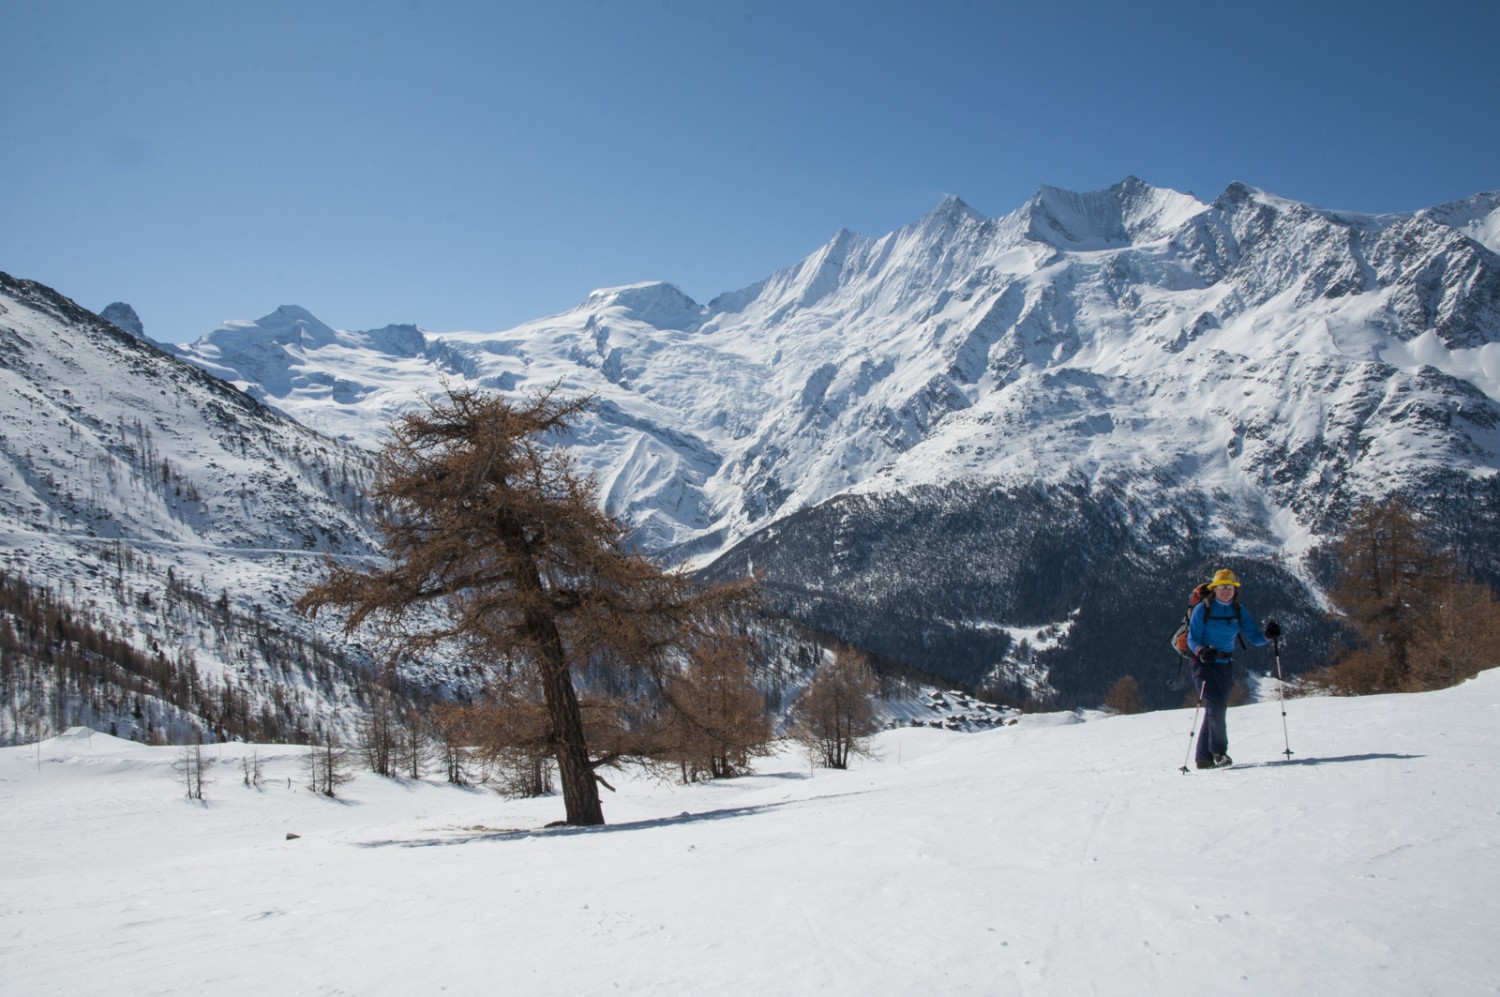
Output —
<point x="1179" y="639"/>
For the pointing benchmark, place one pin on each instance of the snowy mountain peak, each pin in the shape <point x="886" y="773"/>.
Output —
<point x="1131" y="212"/>
<point x="655" y="303"/>
<point x="1477" y="217"/>
<point x="952" y="212"/>
<point x="346" y="384"/>
<point x="289" y="325"/>
<point x="123" y="317"/>
<point x="395" y="340"/>
<point x="1237" y="193"/>
<point x="800" y="286"/>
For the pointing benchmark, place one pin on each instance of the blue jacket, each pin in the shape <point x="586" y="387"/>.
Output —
<point x="1216" y="625"/>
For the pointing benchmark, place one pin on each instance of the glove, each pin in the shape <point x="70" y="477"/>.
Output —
<point x="1273" y="629"/>
<point x="1207" y="655"/>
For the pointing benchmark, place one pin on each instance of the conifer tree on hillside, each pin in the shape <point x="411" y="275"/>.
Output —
<point x="488" y="520"/>
<point x="1415" y="622"/>
<point x="1125" y="696"/>
<point x="1461" y="638"/>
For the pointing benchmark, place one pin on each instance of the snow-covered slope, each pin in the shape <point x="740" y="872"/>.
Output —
<point x="105" y="437"/>
<point x="1134" y="375"/>
<point x="160" y="503"/>
<point x="1047" y="858"/>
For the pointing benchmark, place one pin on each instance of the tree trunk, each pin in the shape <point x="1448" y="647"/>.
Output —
<point x="574" y="772"/>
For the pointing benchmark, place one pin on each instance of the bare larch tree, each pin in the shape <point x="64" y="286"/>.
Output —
<point x="835" y="717"/>
<point x="1415" y="621"/>
<point x="486" y="517"/>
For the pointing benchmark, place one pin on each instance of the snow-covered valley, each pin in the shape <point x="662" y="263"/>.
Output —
<point x="1046" y="858"/>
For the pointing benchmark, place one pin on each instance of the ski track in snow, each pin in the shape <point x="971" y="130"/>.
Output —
<point x="1039" y="859"/>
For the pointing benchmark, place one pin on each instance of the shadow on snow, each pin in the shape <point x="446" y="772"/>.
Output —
<point x="481" y="833"/>
<point x="1373" y="757"/>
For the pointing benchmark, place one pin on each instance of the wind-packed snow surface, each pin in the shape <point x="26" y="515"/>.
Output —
<point x="1046" y="858"/>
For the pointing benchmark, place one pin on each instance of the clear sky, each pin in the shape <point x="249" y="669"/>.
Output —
<point x="472" y="165"/>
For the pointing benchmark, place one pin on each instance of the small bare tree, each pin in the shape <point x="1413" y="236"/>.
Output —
<point x="327" y="765"/>
<point x="455" y="736"/>
<point x="380" y="735"/>
<point x="190" y="764"/>
<point x="719" y="721"/>
<point x="509" y="732"/>
<point x="1388" y="584"/>
<point x="835" y="717"/>
<point x="250" y="766"/>
<point x="414" y="745"/>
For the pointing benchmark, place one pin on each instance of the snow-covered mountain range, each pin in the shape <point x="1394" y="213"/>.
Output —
<point x="1002" y="447"/>
<point x="1113" y="334"/>
<point x="971" y="425"/>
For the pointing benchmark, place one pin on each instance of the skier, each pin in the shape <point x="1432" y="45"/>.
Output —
<point x="1213" y="629"/>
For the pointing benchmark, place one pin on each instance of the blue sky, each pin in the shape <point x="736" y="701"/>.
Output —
<point x="468" y="165"/>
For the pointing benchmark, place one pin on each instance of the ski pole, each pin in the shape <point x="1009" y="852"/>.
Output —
<point x="1194" y="728"/>
<point x="1281" y="696"/>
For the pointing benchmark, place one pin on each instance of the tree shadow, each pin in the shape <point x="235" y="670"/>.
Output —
<point x="481" y="833"/>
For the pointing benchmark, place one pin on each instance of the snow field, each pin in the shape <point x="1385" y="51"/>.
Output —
<point x="1045" y="858"/>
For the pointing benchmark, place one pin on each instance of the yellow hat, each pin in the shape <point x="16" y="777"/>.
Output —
<point x="1224" y="577"/>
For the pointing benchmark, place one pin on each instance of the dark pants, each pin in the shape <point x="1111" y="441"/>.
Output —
<point x="1213" y="683"/>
